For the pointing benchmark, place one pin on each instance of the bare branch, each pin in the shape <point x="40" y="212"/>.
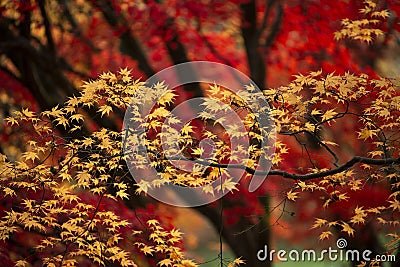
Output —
<point x="47" y="29"/>
<point x="75" y="27"/>
<point x="129" y="44"/>
<point x="269" y="4"/>
<point x="275" y="26"/>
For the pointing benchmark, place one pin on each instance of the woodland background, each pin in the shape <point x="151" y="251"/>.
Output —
<point x="48" y="49"/>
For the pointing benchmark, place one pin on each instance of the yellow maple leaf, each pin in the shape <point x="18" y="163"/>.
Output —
<point x="143" y="186"/>
<point x="236" y="262"/>
<point x="208" y="189"/>
<point x="325" y="235"/>
<point x="165" y="262"/>
<point x="147" y="250"/>
<point x="319" y="223"/>
<point x="292" y="195"/>
<point x="73" y="101"/>
<point x="395" y="204"/>
<point x="27" y="113"/>
<point x="316" y="112"/>
<point x="9" y="191"/>
<point x="21" y="263"/>
<point x="329" y="143"/>
<point x="12" y="121"/>
<point x="105" y="110"/>
<point x="186" y="129"/>
<point x="343" y="196"/>
<point x="366" y="133"/>
<point x="229" y="185"/>
<point x="63" y="121"/>
<point x="77" y="117"/>
<point x="366" y="166"/>
<point x="214" y="89"/>
<point x="122" y="194"/>
<point x="153" y="222"/>
<point x="30" y="155"/>
<point x="125" y="71"/>
<point x="347" y="229"/>
<point x="359" y="217"/>
<point x="175" y="233"/>
<point x="198" y="151"/>
<point x="167" y="98"/>
<point x="113" y="240"/>
<point x="329" y="114"/>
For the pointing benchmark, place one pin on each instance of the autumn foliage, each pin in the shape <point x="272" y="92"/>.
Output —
<point x="68" y="197"/>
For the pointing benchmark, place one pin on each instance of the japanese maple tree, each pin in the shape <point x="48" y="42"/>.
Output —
<point x="65" y="184"/>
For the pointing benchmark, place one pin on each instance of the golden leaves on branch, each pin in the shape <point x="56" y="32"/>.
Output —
<point x="364" y="30"/>
<point x="93" y="162"/>
<point x="61" y="168"/>
<point x="165" y="243"/>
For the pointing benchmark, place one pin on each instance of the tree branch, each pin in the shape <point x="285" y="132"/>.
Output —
<point x="75" y="27"/>
<point x="129" y="45"/>
<point x="267" y="13"/>
<point x="251" y="42"/>
<point x="294" y="176"/>
<point x="275" y="26"/>
<point x="47" y="29"/>
<point x="216" y="53"/>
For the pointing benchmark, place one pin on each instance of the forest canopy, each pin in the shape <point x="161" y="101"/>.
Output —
<point x="87" y="140"/>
